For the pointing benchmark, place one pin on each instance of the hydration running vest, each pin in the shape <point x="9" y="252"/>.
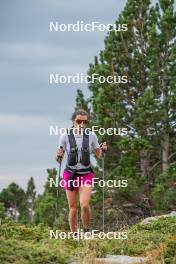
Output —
<point x="73" y="154"/>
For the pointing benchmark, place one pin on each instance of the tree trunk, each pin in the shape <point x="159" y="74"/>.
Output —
<point x="165" y="151"/>
<point x="144" y="162"/>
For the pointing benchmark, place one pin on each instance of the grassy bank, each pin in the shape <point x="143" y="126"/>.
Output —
<point x="22" y="244"/>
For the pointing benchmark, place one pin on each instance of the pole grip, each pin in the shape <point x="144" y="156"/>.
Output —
<point x="59" y="158"/>
<point x="103" y="150"/>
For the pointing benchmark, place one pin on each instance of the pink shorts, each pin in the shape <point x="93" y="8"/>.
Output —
<point x="79" y="180"/>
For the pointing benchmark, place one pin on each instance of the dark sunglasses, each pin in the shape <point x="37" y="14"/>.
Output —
<point x="78" y="121"/>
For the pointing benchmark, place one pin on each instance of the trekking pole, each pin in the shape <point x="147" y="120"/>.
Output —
<point x="59" y="160"/>
<point x="103" y="207"/>
<point x="59" y="176"/>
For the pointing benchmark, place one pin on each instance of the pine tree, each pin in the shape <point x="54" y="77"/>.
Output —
<point x="162" y="76"/>
<point x="146" y="54"/>
<point x="31" y="197"/>
<point x="81" y="102"/>
<point x="14" y="199"/>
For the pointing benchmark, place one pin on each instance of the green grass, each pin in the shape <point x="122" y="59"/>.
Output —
<point x="25" y="244"/>
<point x="22" y="244"/>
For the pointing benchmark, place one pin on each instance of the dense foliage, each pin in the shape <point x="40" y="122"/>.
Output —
<point x="145" y="105"/>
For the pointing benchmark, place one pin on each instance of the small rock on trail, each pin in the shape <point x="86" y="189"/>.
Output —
<point x="118" y="259"/>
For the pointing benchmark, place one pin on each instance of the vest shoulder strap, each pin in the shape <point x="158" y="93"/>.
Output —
<point x="85" y="143"/>
<point x="85" y="153"/>
<point x="72" y="141"/>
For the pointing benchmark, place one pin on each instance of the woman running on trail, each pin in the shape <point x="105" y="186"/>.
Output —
<point x="78" y="174"/>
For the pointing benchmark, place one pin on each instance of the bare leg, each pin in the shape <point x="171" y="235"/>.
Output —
<point x="85" y="194"/>
<point x="72" y="202"/>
